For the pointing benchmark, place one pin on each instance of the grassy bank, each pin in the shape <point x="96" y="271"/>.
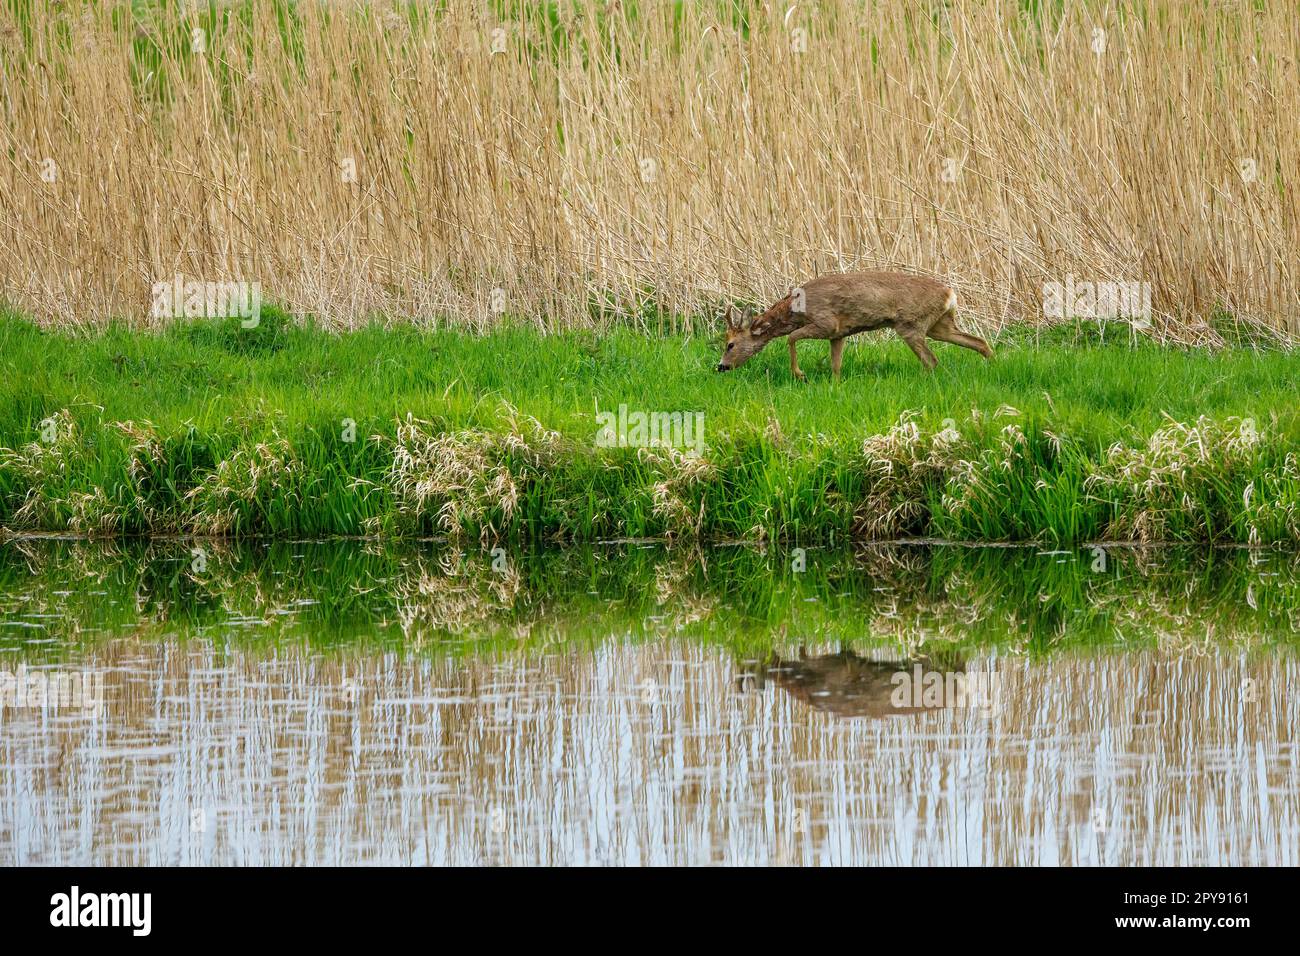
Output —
<point x="1073" y="435"/>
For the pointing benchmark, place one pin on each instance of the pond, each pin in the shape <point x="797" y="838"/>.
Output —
<point x="356" y="702"/>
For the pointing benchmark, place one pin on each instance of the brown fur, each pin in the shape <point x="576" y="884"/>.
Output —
<point x="838" y="305"/>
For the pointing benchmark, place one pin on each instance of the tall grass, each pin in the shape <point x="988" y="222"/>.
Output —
<point x="639" y="162"/>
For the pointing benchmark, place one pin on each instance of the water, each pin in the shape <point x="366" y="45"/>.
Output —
<point x="352" y="702"/>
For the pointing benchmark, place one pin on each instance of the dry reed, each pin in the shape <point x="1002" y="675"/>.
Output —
<point x="585" y="163"/>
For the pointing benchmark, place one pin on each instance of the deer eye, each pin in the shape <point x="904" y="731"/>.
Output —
<point x="730" y="346"/>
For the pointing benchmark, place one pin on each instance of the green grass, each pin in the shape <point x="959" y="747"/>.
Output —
<point x="240" y="431"/>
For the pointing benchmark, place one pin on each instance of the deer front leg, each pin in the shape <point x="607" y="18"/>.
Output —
<point x="837" y="353"/>
<point x="794" y="362"/>
<point x="916" y="340"/>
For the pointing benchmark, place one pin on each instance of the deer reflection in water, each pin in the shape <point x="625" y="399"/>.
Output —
<point x="846" y="684"/>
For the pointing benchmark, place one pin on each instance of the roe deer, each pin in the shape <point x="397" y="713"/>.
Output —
<point x="839" y="305"/>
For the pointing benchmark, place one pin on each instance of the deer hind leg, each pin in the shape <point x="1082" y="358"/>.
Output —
<point x="837" y="353"/>
<point x="916" y="340"/>
<point x="945" y="330"/>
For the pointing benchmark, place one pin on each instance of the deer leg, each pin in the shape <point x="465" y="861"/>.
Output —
<point x="794" y="362"/>
<point x="837" y="353"/>
<point x="916" y="341"/>
<point x="945" y="331"/>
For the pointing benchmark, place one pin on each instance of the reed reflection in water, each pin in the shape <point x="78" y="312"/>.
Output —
<point x="666" y="752"/>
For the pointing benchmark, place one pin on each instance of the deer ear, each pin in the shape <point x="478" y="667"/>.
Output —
<point x="756" y="325"/>
<point x="733" y="317"/>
